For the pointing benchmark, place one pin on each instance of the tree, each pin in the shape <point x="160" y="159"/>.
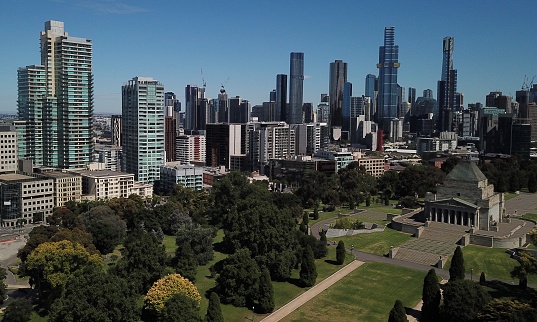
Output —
<point x="532" y="183"/>
<point x="18" y="311"/>
<point x="503" y="310"/>
<point x="238" y="282"/>
<point x="200" y="240"/>
<point x="305" y="218"/>
<point x="456" y="271"/>
<point x="321" y="248"/>
<point x="265" y="299"/>
<point x="463" y="299"/>
<point x="3" y="286"/>
<point x="52" y="263"/>
<point x="36" y="237"/>
<point x="316" y="212"/>
<point x="214" y="312"/>
<point x="340" y="252"/>
<point x="308" y="271"/>
<point x="185" y="262"/>
<point x="179" y="308"/>
<point x="107" y="229"/>
<point x="164" y="289"/>
<point x="527" y="265"/>
<point x="449" y="164"/>
<point x="65" y="218"/>
<point x="91" y="294"/>
<point x="397" y="313"/>
<point x="482" y="279"/>
<point x="143" y="261"/>
<point x="431" y="296"/>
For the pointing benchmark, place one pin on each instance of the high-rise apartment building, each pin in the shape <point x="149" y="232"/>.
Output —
<point x="346" y="106"/>
<point x="411" y="95"/>
<point x="8" y="148"/>
<point x="56" y="100"/>
<point x="387" y="81"/>
<point x="371" y="90"/>
<point x="239" y="110"/>
<point x="447" y="87"/>
<point x="296" y="89"/>
<point x="115" y="126"/>
<point x="338" y="78"/>
<point x="428" y="93"/>
<point x="281" y="97"/>
<point x="143" y="128"/>
<point x="196" y="105"/>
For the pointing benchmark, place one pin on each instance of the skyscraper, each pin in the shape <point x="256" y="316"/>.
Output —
<point x="388" y="64"/>
<point x="196" y="106"/>
<point x="338" y="78"/>
<point x="447" y="87"/>
<point x="56" y="100"/>
<point x="428" y="93"/>
<point x="346" y="106"/>
<point x="143" y="128"/>
<point x="411" y="95"/>
<point x="281" y="97"/>
<point x="296" y="89"/>
<point x="371" y="90"/>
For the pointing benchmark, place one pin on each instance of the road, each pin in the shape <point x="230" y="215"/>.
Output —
<point x="522" y="204"/>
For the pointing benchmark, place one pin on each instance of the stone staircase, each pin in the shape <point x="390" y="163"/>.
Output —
<point x="437" y="240"/>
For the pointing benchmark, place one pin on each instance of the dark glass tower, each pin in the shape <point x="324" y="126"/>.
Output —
<point x="447" y="87"/>
<point x="371" y="90"/>
<point x="281" y="97"/>
<point x="296" y="89"/>
<point x="388" y="64"/>
<point x="338" y="78"/>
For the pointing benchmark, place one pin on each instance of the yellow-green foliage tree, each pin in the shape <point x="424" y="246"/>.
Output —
<point x="166" y="287"/>
<point x="54" y="262"/>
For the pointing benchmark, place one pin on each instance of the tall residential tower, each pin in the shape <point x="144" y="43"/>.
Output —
<point x="338" y="78"/>
<point x="387" y="81"/>
<point x="55" y="99"/>
<point x="447" y="87"/>
<point x="296" y="89"/>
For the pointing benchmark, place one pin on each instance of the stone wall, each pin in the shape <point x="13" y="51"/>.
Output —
<point x="481" y="240"/>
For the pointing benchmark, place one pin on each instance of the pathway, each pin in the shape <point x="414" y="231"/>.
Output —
<point x="312" y="292"/>
<point x="522" y="204"/>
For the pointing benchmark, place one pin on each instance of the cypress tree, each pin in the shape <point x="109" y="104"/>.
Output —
<point x="482" y="279"/>
<point x="397" y="313"/>
<point x="305" y="218"/>
<point x="308" y="271"/>
<point x="340" y="252"/>
<point x="303" y="228"/>
<point x="266" y="293"/>
<point x="386" y="200"/>
<point x="532" y="183"/>
<point x="186" y="264"/>
<point x="368" y="200"/>
<point x="456" y="271"/>
<point x="315" y="212"/>
<point x="214" y="311"/>
<point x="431" y="296"/>
<point x="322" y="249"/>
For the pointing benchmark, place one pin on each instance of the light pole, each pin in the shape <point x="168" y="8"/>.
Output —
<point x="471" y="274"/>
<point x="253" y="313"/>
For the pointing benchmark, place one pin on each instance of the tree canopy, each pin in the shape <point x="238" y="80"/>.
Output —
<point x="463" y="299"/>
<point x="165" y="288"/>
<point x="456" y="270"/>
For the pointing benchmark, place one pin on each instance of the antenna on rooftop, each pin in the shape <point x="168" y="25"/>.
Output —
<point x="223" y="85"/>
<point x="203" y="79"/>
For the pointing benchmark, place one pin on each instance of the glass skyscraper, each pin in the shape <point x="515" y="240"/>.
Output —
<point x="296" y="89"/>
<point x="143" y="128"/>
<point x="281" y="97"/>
<point x="56" y="100"/>
<point x="447" y="87"/>
<point x="338" y="78"/>
<point x="387" y="82"/>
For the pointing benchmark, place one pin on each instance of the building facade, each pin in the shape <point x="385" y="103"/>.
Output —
<point x="296" y="89"/>
<point x="56" y="100"/>
<point x="8" y="148"/>
<point x="338" y="78"/>
<point x="143" y="128"/>
<point x="191" y="148"/>
<point x="387" y="80"/>
<point x="186" y="175"/>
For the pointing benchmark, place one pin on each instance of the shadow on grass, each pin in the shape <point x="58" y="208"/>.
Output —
<point x="332" y="262"/>
<point x="294" y="281"/>
<point x="498" y="289"/>
<point x="221" y="247"/>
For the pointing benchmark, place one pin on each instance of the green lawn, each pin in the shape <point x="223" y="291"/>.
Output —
<point x="375" y="243"/>
<point x="367" y="294"/>
<point x="530" y="216"/>
<point x="283" y="291"/>
<point x="169" y="243"/>
<point x="495" y="262"/>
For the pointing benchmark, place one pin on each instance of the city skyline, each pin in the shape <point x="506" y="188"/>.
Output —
<point x="252" y="44"/>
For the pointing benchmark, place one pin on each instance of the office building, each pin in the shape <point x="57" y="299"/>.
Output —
<point x="411" y="95"/>
<point x="428" y="93"/>
<point x="67" y="187"/>
<point x="188" y="176"/>
<point x="269" y="112"/>
<point x="170" y="132"/>
<point x="25" y="199"/>
<point x="239" y="110"/>
<point x="371" y="90"/>
<point x="338" y="78"/>
<point x="222" y="141"/>
<point x="8" y="148"/>
<point x="447" y="88"/>
<point x="281" y="97"/>
<point x="56" y="100"/>
<point x="222" y="109"/>
<point x="388" y="65"/>
<point x="309" y="114"/>
<point x="196" y="106"/>
<point x="296" y="89"/>
<point x="143" y="128"/>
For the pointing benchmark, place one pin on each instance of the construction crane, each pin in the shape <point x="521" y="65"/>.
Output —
<point x="203" y="79"/>
<point x="223" y="86"/>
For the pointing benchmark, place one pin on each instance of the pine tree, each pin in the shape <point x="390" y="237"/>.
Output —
<point x="340" y="252"/>
<point x="456" y="271"/>
<point x="431" y="296"/>
<point x="482" y="279"/>
<point x="214" y="311"/>
<point x="532" y="183"/>
<point x="186" y="264"/>
<point x="308" y="271"/>
<point x="266" y="293"/>
<point x="397" y="313"/>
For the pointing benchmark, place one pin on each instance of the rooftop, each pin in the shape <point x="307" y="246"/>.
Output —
<point x="466" y="171"/>
<point x="14" y="177"/>
<point x="102" y="173"/>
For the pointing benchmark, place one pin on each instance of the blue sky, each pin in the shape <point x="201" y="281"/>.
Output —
<point x="249" y="42"/>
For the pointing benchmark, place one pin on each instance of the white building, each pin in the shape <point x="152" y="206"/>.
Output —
<point x="67" y="187"/>
<point x="106" y="184"/>
<point x="8" y="148"/>
<point x="110" y="155"/>
<point x="190" y="148"/>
